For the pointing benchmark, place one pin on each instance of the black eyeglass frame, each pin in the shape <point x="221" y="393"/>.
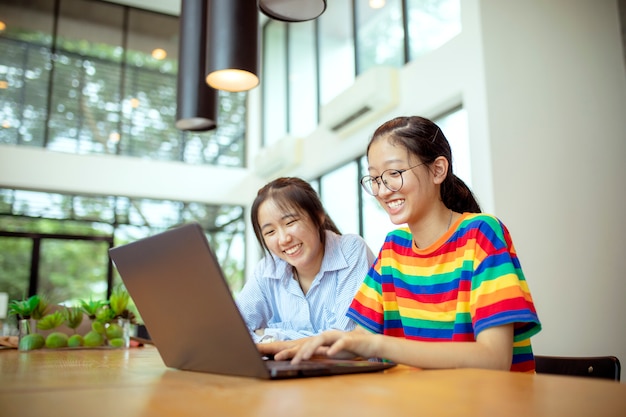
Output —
<point x="380" y="178"/>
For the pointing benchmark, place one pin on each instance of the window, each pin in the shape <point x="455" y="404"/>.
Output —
<point x="431" y="24"/>
<point x="380" y="35"/>
<point x="454" y="125"/>
<point x="274" y="82"/>
<point x="63" y="240"/>
<point x="93" y="86"/>
<point x="86" y="81"/>
<point x="302" y="79"/>
<point x="336" y="45"/>
<point x="340" y="197"/>
<point x="300" y="76"/>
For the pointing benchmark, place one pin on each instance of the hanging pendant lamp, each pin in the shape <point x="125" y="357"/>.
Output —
<point x="292" y="10"/>
<point x="196" y="102"/>
<point x="232" y="45"/>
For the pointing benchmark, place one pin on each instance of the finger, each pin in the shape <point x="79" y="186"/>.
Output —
<point x="285" y="354"/>
<point x="336" y="347"/>
<point x="308" y="349"/>
<point x="264" y="348"/>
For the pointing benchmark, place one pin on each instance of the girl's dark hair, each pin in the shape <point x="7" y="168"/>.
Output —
<point x="424" y="139"/>
<point x="290" y="193"/>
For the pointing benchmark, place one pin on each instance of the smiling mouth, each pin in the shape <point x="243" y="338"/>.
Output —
<point x="395" y="204"/>
<point x="293" y="249"/>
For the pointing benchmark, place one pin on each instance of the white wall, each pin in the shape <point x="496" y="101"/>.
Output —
<point x="556" y="103"/>
<point x="544" y="86"/>
<point x="23" y="167"/>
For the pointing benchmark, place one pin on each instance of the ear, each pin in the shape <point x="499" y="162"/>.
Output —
<point x="439" y="169"/>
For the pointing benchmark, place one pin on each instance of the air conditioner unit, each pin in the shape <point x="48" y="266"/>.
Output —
<point x="373" y="93"/>
<point x="279" y="158"/>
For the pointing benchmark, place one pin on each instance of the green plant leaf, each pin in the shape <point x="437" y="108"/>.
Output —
<point x="73" y="317"/>
<point x="24" y="308"/>
<point x="91" y="307"/>
<point x="104" y="314"/>
<point x="41" y="307"/>
<point x="51" y="321"/>
<point x="119" y="300"/>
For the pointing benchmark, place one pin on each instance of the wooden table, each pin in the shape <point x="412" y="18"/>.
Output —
<point x="135" y="382"/>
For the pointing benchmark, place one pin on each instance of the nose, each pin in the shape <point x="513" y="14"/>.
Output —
<point x="383" y="191"/>
<point x="283" y="236"/>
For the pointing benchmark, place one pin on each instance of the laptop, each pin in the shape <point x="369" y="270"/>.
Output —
<point x="188" y="309"/>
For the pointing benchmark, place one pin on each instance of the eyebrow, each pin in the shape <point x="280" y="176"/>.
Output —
<point x="286" y="216"/>
<point x="387" y="162"/>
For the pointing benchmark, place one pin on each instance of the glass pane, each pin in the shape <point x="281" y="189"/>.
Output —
<point x="86" y="76"/>
<point x="380" y="34"/>
<point x="274" y="82"/>
<point x="25" y="45"/>
<point x="224" y="146"/>
<point x="340" y="198"/>
<point x="15" y="258"/>
<point x="229" y="248"/>
<point x="110" y="91"/>
<point x="376" y="223"/>
<point x="302" y="80"/>
<point x="94" y="208"/>
<point x="455" y="127"/>
<point x="336" y="43"/>
<point x="155" y="214"/>
<point x="431" y="24"/>
<point x="37" y="204"/>
<point x="70" y="270"/>
<point x="149" y="105"/>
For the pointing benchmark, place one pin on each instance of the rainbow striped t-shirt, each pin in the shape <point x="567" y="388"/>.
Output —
<point x="467" y="281"/>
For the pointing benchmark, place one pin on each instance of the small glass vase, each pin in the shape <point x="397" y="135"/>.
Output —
<point x="125" y="325"/>
<point x="24" y="328"/>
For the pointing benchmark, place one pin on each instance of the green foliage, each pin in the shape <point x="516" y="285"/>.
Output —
<point x="75" y="340"/>
<point x="91" y="307"/>
<point x="32" y="341"/>
<point x="118" y="301"/>
<point x="73" y="317"/>
<point x="98" y="327"/>
<point x="114" y="331"/>
<point x="56" y="340"/>
<point x="24" y="308"/>
<point x="51" y="321"/>
<point x="93" y="339"/>
<point x="117" y="342"/>
<point x="105" y="314"/>
<point x="41" y="309"/>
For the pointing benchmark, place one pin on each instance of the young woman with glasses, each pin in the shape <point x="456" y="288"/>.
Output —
<point x="310" y="273"/>
<point x="447" y="290"/>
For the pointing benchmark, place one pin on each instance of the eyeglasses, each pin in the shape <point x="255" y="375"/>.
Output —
<point x="392" y="178"/>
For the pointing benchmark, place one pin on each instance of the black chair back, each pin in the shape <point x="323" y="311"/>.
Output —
<point x="606" y="367"/>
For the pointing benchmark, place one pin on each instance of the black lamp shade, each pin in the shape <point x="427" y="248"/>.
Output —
<point x="292" y="10"/>
<point x="233" y="45"/>
<point x="196" y="102"/>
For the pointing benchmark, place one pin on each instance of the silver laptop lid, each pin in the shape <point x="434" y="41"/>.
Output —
<point x="184" y="301"/>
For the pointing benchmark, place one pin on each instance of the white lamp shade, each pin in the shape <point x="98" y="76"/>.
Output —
<point x="292" y="10"/>
<point x="232" y="80"/>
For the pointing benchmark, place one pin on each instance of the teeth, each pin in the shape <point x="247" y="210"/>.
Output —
<point x="292" y="250"/>
<point x="395" y="203"/>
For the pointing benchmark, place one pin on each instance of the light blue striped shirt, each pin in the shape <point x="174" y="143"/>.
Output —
<point x="272" y="299"/>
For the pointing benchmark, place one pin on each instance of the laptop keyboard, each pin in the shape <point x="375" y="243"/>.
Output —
<point x="280" y="365"/>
